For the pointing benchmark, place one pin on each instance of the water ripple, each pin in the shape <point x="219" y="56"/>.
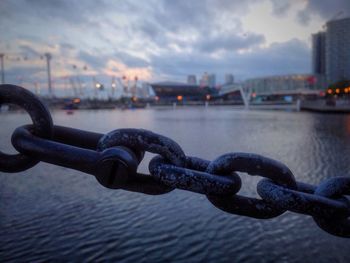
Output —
<point x="50" y="213"/>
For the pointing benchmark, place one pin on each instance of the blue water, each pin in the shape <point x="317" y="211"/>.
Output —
<point x="51" y="213"/>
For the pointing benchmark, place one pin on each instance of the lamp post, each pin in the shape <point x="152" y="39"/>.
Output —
<point x="48" y="58"/>
<point x="2" y="68"/>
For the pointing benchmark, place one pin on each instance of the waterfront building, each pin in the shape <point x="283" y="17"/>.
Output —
<point x="319" y="53"/>
<point x="284" y="84"/>
<point x="331" y="52"/>
<point x="192" y="79"/>
<point x="175" y="91"/>
<point x="338" y="50"/>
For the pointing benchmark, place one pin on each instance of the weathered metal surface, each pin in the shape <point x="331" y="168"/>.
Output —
<point x="193" y="180"/>
<point x="251" y="164"/>
<point x="40" y="116"/>
<point x="298" y="201"/>
<point x="336" y="188"/>
<point x="111" y="167"/>
<point x="113" y="159"/>
<point x="146" y="141"/>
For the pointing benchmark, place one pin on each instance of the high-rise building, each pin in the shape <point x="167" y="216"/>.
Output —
<point x="204" y="81"/>
<point x="191" y="79"/>
<point x="229" y="79"/>
<point x="211" y="80"/>
<point x="338" y="50"/>
<point x="319" y="53"/>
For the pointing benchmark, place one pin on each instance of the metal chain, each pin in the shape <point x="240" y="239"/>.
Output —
<point x="113" y="159"/>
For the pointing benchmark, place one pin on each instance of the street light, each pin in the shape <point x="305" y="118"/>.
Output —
<point x="2" y="69"/>
<point x="48" y="58"/>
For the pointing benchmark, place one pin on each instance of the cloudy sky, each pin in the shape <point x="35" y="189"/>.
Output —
<point x="160" y="39"/>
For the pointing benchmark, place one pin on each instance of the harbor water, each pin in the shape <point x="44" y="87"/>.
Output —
<point x="50" y="213"/>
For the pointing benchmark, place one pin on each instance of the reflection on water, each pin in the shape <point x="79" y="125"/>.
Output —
<point x="51" y="212"/>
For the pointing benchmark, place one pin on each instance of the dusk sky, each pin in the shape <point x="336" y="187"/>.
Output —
<point x="160" y="39"/>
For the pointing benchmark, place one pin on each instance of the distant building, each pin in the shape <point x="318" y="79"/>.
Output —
<point x="192" y="80"/>
<point x="319" y="53"/>
<point x="208" y="80"/>
<point x="175" y="91"/>
<point x="229" y="79"/>
<point x="211" y="80"/>
<point x="284" y="84"/>
<point x="338" y="50"/>
<point x="204" y="81"/>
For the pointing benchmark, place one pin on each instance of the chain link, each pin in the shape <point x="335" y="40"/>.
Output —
<point x="113" y="159"/>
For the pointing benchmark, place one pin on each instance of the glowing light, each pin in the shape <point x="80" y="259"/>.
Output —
<point x="156" y="98"/>
<point x="98" y="85"/>
<point x="346" y="90"/>
<point x="134" y="99"/>
<point x="253" y="94"/>
<point x="337" y="91"/>
<point x="329" y="91"/>
<point x="77" y="100"/>
<point x="208" y="97"/>
<point x="179" y="98"/>
<point x="113" y="85"/>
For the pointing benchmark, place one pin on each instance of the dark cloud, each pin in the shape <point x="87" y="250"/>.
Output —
<point x="280" y="58"/>
<point x="182" y="16"/>
<point x="280" y="7"/>
<point x="229" y="42"/>
<point x="325" y="8"/>
<point x="93" y="32"/>
<point x="72" y="11"/>
<point x="17" y="74"/>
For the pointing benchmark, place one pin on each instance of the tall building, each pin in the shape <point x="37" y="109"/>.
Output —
<point x="319" y="53"/>
<point x="204" y="81"/>
<point x="229" y="79"/>
<point x="192" y="80"/>
<point x="338" y="50"/>
<point x="211" y="80"/>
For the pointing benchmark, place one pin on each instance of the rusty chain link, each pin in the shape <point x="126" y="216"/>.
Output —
<point x="113" y="159"/>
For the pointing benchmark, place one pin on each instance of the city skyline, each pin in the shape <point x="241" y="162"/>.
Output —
<point x="161" y="40"/>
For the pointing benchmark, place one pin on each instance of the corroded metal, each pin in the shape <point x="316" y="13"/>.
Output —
<point x="40" y="116"/>
<point x="251" y="164"/>
<point x="335" y="188"/>
<point x="299" y="202"/>
<point x="111" y="167"/>
<point x="193" y="180"/>
<point x="144" y="140"/>
<point x="114" y="158"/>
